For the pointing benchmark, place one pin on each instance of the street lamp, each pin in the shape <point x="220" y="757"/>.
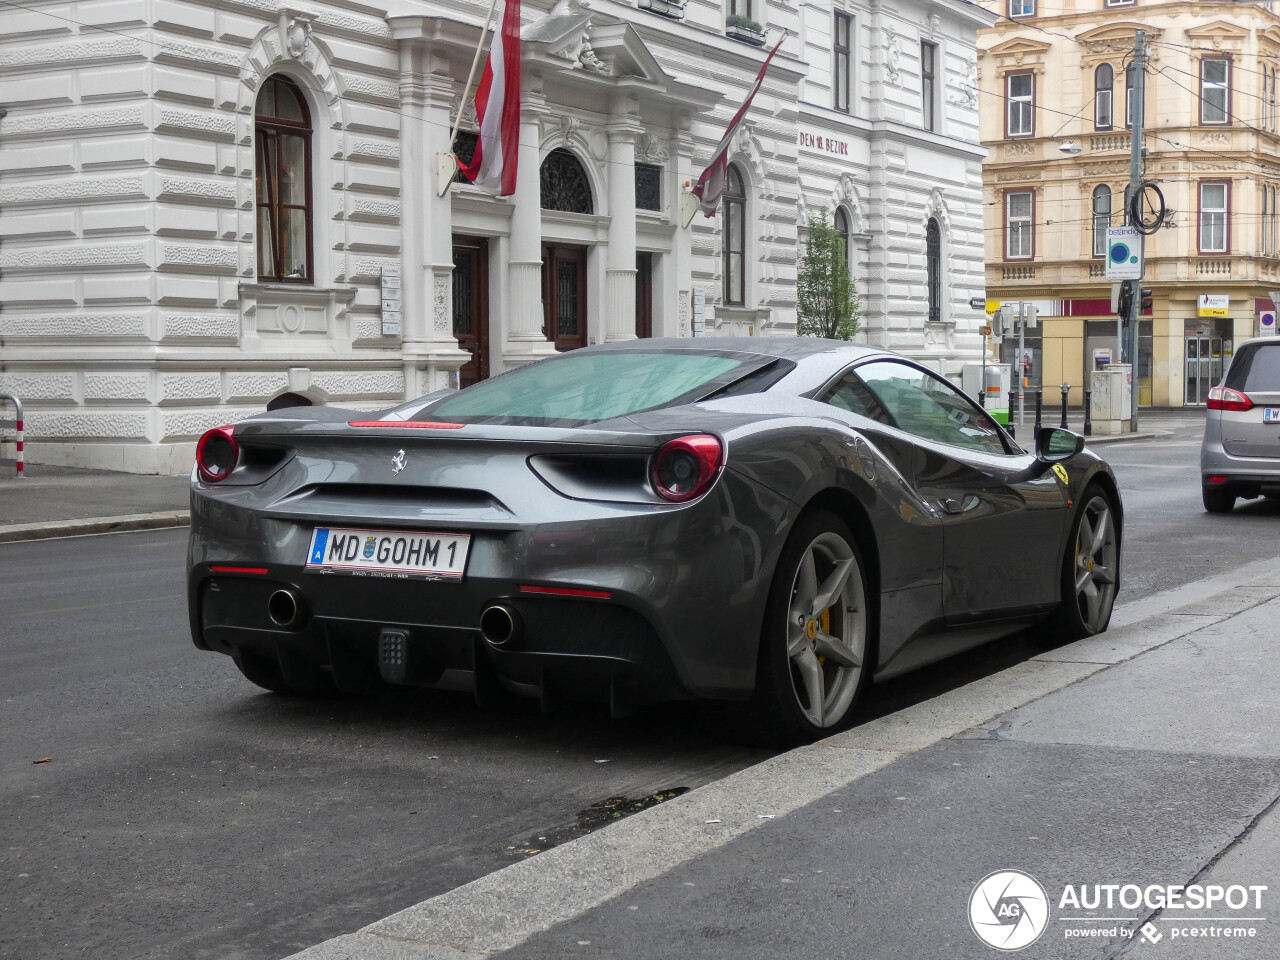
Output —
<point x="1070" y="146"/>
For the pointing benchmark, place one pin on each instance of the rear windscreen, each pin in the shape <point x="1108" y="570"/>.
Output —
<point x="585" y="387"/>
<point x="1256" y="368"/>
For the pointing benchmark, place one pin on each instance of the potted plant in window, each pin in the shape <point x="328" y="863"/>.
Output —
<point x="745" y="29"/>
<point x="667" y="8"/>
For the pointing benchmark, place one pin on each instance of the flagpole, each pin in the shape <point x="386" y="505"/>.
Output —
<point x="446" y="162"/>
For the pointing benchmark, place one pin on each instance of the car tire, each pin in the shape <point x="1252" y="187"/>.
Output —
<point x="1217" y="499"/>
<point x="1090" y="570"/>
<point x="817" y="647"/>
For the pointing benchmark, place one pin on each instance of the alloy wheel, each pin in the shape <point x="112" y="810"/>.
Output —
<point x="826" y="630"/>
<point x="1096" y="554"/>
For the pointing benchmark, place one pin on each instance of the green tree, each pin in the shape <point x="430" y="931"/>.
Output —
<point x="827" y="302"/>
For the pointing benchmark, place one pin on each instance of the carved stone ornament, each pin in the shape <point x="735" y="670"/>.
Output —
<point x="933" y="26"/>
<point x="442" y="318"/>
<point x="682" y="312"/>
<point x="295" y="30"/>
<point x="569" y="127"/>
<point x="968" y="92"/>
<point x="742" y="138"/>
<point x="892" y="55"/>
<point x="564" y="31"/>
<point x="650" y="149"/>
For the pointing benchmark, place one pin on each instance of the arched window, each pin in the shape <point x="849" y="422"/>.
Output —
<point x="563" y="184"/>
<point x="1103" y="89"/>
<point x="1101" y="218"/>
<point x="842" y="230"/>
<point x="735" y="246"/>
<point x="933" y="267"/>
<point x="282" y="172"/>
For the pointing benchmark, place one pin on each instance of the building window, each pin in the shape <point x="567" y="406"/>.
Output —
<point x="648" y="187"/>
<point x="1104" y="80"/>
<point x="1215" y="87"/>
<point x="1020" y="91"/>
<point x="1266" y="221"/>
<point x="933" y="267"/>
<point x="928" y="76"/>
<point x="1022" y="8"/>
<point x="1101" y="219"/>
<point x="842" y="231"/>
<point x="842" y="52"/>
<point x="1275" y="222"/>
<point x="735" y="248"/>
<point x="1271" y="100"/>
<point x="1119" y="3"/>
<point x="1018" y="225"/>
<point x="1215" y="231"/>
<point x="282" y="175"/>
<point x="564" y="185"/>
<point x="740" y="8"/>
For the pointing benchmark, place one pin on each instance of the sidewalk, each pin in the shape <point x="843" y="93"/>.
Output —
<point x="1145" y="759"/>
<point x="65" y="501"/>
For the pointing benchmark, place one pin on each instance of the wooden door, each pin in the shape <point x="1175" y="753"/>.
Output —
<point x="471" y="306"/>
<point x="644" y="294"/>
<point x="564" y="295"/>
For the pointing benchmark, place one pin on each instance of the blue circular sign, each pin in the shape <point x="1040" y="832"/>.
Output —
<point x="1119" y="252"/>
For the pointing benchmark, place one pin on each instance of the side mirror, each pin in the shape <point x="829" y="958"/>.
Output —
<point x="1054" y="444"/>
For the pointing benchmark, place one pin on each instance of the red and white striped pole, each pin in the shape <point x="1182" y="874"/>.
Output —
<point x="17" y="406"/>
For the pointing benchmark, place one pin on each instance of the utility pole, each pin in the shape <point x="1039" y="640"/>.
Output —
<point x="1129" y="344"/>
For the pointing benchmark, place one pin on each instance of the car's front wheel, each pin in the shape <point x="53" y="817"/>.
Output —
<point x="816" y="646"/>
<point x="1217" y="499"/>
<point x="1090" y="569"/>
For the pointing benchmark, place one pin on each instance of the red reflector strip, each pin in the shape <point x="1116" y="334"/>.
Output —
<point x="414" y="424"/>
<point x="567" y="592"/>
<point x="1216" y="479"/>
<point x="254" y="570"/>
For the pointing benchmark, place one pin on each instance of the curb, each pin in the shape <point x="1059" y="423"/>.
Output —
<point x="50" y="529"/>
<point x="1126" y="437"/>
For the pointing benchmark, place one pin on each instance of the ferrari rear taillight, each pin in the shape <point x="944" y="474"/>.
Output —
<point x="685" y="468"/>
<point x="217" y="453"/>
<point x="1224" y="398"/>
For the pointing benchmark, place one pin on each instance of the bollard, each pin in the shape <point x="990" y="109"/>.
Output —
<point x="1039" y="406"/>
<point x="1066" y="389"/>
<point x="1088" y="412"/>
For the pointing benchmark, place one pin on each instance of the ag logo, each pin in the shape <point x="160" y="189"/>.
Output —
<point x="1060" y="472"/>
<point x="1008" y="910"/>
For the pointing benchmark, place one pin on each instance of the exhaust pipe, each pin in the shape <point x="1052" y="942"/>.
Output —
<point x="499" y="625"/>
<point x="283" y="608"/>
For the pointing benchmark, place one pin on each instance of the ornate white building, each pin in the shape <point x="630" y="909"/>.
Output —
<point x="209" y="207"/>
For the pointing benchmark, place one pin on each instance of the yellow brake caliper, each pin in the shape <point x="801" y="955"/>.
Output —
<point x="825" y="620"/>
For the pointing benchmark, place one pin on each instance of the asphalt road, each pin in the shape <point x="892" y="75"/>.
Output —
<point x="184" y="814"/>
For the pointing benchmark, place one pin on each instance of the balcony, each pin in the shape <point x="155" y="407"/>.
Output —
<point x="1022" y="272"/>
<point x="744" y="29"/>
<point x="1112" y="144"/>
<point x="1216" y="267"/>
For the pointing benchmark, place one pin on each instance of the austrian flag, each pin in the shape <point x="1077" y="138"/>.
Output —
<point x="710" y="186"/>
<point x="493" y="167"/>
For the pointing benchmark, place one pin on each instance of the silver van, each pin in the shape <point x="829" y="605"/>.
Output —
<point x="1240" y="455"/>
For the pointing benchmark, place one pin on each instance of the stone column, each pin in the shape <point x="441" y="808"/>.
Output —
<point x="682" y="243"/>
<point x="525" y="338"/>
<point x="429" y="350"/>
<point x="620" y="269"/>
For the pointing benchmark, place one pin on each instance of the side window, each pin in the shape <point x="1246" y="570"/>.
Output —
<point x="930" y="408"/>
<point x="852" y="394"/>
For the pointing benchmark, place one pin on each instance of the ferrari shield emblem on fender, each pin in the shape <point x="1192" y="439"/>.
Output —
<point x="398" y="463"/>
<point x="1060" y="472"/>
<point x="369" y="544"/>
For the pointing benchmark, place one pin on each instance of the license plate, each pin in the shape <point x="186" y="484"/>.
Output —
<point x="1271" y="414"/>
<point x="388" y="553"/>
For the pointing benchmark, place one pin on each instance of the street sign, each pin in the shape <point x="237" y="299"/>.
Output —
<point x="977" y="303"/>
<point x="1124" y="253"/>
<point x="1267" y="323"/>
<point x="985" y="329"/>
<point x="993" y="306"/>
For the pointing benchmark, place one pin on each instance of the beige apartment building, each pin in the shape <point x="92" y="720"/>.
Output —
<point x="1056" y="107"/>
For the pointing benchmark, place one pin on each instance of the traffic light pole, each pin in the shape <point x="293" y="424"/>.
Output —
<point x="1139" y="75"/>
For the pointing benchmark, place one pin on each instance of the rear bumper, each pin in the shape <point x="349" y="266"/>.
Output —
<point x="1244" y="472"/>
<point x="586" y="648"/>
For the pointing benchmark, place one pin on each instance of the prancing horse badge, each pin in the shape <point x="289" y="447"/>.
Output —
<point x="398" y="463"/>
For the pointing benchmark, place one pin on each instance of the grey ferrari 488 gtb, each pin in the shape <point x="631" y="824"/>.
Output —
<point x="776" y="522"/>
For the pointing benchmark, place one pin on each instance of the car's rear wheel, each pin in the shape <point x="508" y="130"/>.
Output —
<point x="816" y="645"/>
<point x="1217" y="499"/>
<point x="1090" y="569"/>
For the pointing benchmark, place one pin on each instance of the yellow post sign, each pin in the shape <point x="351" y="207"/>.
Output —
<point x="993" y="306"/>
